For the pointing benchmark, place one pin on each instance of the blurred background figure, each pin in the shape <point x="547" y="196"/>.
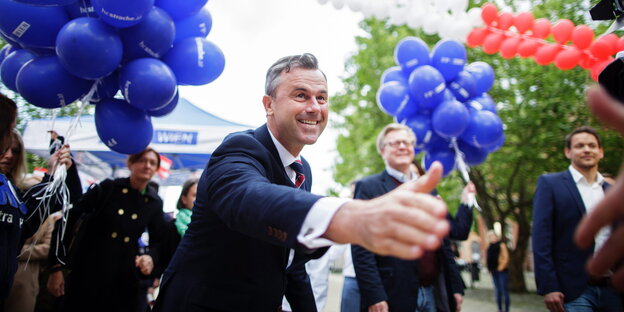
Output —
<point x="497" y="261"/>
<point x="185" y="205"/>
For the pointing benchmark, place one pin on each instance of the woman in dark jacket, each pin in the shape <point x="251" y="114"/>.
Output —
<point x="104" y="269"/>
<point x="497" y="261"/>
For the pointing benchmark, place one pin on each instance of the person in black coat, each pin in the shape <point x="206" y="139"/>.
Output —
<point x="102" y="260"/>
<point x="388" y="283"/>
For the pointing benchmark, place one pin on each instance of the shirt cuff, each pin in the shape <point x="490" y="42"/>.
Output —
<point x="470" y="200"/>
<point x="317" y="221"/>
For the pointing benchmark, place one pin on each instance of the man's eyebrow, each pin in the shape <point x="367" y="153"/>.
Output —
<point x="307" y="90"/>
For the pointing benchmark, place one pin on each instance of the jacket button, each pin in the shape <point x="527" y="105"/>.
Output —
<point x="126" y="239"/>
<point x="146" y="199"/>
<point x="120" y="212"/>
<point x="114" y="235"/>
<point x="124" y="190"/>
<point x="134" y="216"/>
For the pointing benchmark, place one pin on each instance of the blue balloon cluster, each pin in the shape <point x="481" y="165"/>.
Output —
<point x="60" y="50"/>
<point x="444" y="101"/>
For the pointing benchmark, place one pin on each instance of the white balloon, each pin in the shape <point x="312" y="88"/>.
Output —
<point x="430" y="24"/>
<point x="474" y="17"/>
<point x="322" y="1"/>
<point x="367" y="9"/>
<point x="415" y="17"/>
<point x="355" y="5"/>
<point x="338" y="4"/>
<point x="380" y="11"/>
<point x="459" y="6"/>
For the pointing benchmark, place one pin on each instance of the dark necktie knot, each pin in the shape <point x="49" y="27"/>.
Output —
<point x="297" y="166"/>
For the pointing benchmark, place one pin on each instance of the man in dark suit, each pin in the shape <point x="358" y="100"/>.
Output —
<point x="388" y="283"/>
<point x="561" y="200"/>
<point x="253" y="210"/>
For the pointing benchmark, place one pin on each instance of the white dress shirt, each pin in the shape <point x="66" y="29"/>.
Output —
<point x="591" y="194"/>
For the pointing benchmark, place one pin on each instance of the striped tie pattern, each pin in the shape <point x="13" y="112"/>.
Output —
<point x="297" y="166"/>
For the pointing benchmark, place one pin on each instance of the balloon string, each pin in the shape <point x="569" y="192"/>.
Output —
<point x="463" y="169"/>
<point x="84" y="101"/>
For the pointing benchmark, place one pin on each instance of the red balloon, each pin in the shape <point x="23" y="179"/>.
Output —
<point x="620" y="44"/>
<point x="601" y="48"/>
<point x="476" y="36"/>
<point x="582" y="36"/>
<point x="528" y="47"/>
<point x="612" y="41"/>
<point x="586" y="61"/>
<point x="541" y="28"/>
<point x="567" y="59"/>
<point x="524" y="21"/>
<point x="546" y="54"/>
<point x="562" y="30"/>
<point x="505" y="20"/>
<point x="489" y="12"/>
<point x="509" y="47"/>
<point x="492" y="43"/>
<point x="599" y="67"/>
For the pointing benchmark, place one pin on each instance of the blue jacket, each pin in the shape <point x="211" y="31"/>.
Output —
<point x="557" y="210"/>
<point x="247" y="216"/>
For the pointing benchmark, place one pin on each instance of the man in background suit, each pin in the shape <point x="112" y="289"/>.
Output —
<point x="253" y="209"/>
<point x="561" y="200"/>
<point x="388" y="283"/>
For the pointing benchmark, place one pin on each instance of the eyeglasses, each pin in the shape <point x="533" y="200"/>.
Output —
<point x="398" y="143"/>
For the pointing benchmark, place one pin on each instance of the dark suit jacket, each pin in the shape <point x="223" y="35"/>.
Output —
<point x="384" y="278"/>
<point x="557" y="210"/>
<point x="247" y="216"/>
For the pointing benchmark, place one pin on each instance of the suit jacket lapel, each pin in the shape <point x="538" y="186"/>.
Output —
<point x="568" y="181"/>
<point x="388" y="182"/>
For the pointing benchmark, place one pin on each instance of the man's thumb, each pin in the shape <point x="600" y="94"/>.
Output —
<point x="429" y="181"/>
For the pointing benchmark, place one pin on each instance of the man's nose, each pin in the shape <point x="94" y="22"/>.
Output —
<point x="313" y="106"/>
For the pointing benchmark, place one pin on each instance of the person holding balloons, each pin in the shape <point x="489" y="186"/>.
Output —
<point x="22" y="214"/>
<point x="387" y="283"/>
<point x="102" y="242"/>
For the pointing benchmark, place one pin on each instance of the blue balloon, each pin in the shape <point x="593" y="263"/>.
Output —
<point x="484" y="129"/>
<point x="436" y="142"/>
<point x="12" y="65"/>
<point x="483" y="102"/>
<point x="167" y="109"/>
<point x="80" y="8"/>
<point x="32" y="26"/>
<point x="89" y="48"/>
<point x="196" y="25"/>
<point x="483" y="74"/>
<point x="463" y="87"/>
<point x="106" y="88"/>
<point x="147" y="83"/>
<point x="427" y="86"/>
<point x="394" y="73"/>
<point x="421" y="125"/>
<point x="40" y="51"/>
<point x="121" y="14"/>
<point x="406" y="111"/>
<point x="391" y="97"/>
<point x="45" y="83"/>
<point x="472" y="155"/>
<point x="448" y="95"/>
<point x="116" y="119"/>
<point x="450" y="119"/>
<point x="195" y="61"/>
<point x="445" y="156"/>
<point x="496" y="146"/>
<point x="449" y="57"/>
<point x="6" y="50"/>
<point x="46" y="2"/>
<point x="152" y="37"/>
<point x="181" y="9"/>
<point x="410" y="53"/>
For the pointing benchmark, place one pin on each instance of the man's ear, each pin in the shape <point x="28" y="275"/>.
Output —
<point x="267" y="101"/>
<point x="566" y="151"/>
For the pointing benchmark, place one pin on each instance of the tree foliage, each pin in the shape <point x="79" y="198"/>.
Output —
<point x="539" y="105"/>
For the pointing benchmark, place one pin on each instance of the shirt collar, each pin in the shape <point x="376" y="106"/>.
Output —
<point x="284" y="154"/>
<point x="400" y="176"/>
<point x="577" y="176"/>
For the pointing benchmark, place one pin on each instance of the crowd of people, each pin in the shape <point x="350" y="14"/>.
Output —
<point x="246" y="229"/>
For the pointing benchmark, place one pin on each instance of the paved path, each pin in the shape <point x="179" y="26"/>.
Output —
<point x="479" y="299"/>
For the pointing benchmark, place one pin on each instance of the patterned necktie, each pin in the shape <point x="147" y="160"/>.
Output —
<point x="297" y="166"/>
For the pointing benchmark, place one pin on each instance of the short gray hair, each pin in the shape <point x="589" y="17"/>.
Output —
<point x="393" y="127"/>
<point x="286" y="64"/>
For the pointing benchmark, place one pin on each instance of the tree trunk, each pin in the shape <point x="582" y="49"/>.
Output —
<point x="517" y="257"/>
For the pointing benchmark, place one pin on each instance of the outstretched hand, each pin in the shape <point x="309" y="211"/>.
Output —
<point x="610" y="209"/>
<point x="402" y="223"/>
